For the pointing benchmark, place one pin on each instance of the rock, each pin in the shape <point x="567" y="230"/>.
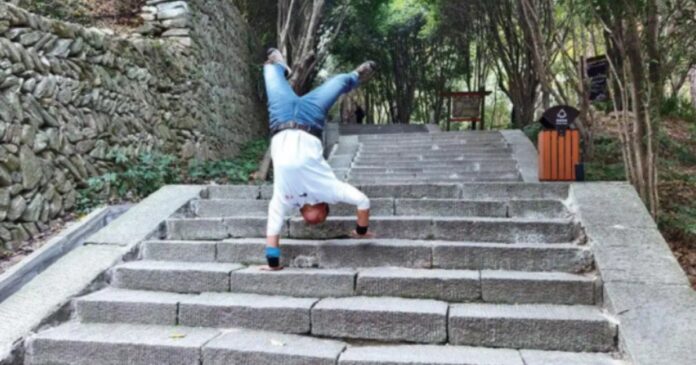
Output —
<point x="17" y="207"/>
<point x="4" y="203"/>
<point x="30" y="38"/>
<point x="62" y="48"/>
<point x="183" y="22"/>
<point x="45" y="88"/>
<point x="5" y="234"/>
<point x="69" y="200"/>
<point x="56" y="206"/>
<point x="176" y="32"/>
<point x="19" y="236"/>
<point x="31" y="168"/>
<point x="33" y="211"/>
<point x="5" y="177"/>
<point x="32" y="229"/>
<point x="4" y="26"/>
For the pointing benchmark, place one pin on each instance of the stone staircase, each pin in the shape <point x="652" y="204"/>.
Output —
<point x="425" y="158"/>
<point x="460" y="274"/>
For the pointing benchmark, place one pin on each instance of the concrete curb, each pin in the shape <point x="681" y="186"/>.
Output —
<point x="644" y="287"/>
<point x="525" y="153"/>
<point x="144" y="220"/>
<point x="78" y="272"/>
<point x="73" y="236"/>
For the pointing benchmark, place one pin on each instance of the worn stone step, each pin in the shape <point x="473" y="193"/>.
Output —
<point x="537" y="357"/>
<point x="238" y="192"/>
<point x="463" y="355"/>
<point x="537" y="287"/>
<point x="383" y="319"/>
<point x="434" y="164"/>
<point x="110" y="344"/>
<point x="446" y="285"/>
<point x="448" y="175"/>
<point x="240" y="346"/>
<point x="228" y="310"/>
<point x="295" y="282"/>
<point x="400" y="207"/>
<point x="539" y="326"/>
<point x="172" y="276"/>
<point x="430" y="153"/>
<point x="425" y="169"/>
<point x="383" y="252"/>
<point x="112" y="305"/>
<point x="477" y="229"/>
<point x="516" y="257"/>
<point x="428" y="355"/>
<point x="427" y="158"/>
<point x="466" y="191"/>
<point x="471" y="285"/>
<point x="432" y="180"/>
<point x="372" y="147"/>
<point x="469" y="191"/>
<point x="207" y="208"/>
<point x="218" y="310"/>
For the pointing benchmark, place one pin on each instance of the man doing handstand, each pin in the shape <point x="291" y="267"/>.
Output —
<point x="302" y="178"/>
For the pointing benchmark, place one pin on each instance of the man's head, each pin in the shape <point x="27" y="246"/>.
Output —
<point x="315" y="214"/>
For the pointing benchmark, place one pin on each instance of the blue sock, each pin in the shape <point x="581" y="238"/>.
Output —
<point x="273" y="256"/>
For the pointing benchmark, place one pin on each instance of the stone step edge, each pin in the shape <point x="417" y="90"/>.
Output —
<point x="121" y="335"/>
<point x="490" y="279"/>
<point x="175" y="300"/>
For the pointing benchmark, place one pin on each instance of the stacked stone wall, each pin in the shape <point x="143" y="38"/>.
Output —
<point x="71" y="96"/>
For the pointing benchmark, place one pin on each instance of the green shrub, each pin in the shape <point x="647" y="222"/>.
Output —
<point x="133" y="179"/>
<point x="678" y="108"/>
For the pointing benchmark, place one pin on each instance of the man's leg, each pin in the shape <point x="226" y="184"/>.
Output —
<point x="324" y="97"/>
<point x="281" y="97"/>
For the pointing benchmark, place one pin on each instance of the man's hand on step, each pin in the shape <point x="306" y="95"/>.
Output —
<point x="367" y="235"/>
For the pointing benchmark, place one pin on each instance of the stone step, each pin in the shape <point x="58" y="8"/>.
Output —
<point x="401" y="207"/>
<point x="173" y="276"/>
<point x="538" y="326"/>
<point x="447" y="285"/>
<point x="467" y="191"/>
<point x="466" y="285"/>
<point x="434" y="164"/>
<point x="380" y="252"/>
<point x="432" y="180"/>
<point x="382" y="319"/>
<point x="463" y="355"/>
<point x="495" y="230"/>
<point x="319" y="283"/>
<point x="110" y="344"/>
<point x="217" y="310"/>
<point x="366" y="146"/>
<point x="470" y="191"/>
<point x="511" y="175"/>
<point x="102" y="344"/>
<point x="240" y="346"/>
<point x="429" y="152"/>
<point x="427" y="169"/>
<point x="434" y="157"/>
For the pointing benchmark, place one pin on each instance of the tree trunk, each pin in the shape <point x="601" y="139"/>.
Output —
<point x="692" y="84"/>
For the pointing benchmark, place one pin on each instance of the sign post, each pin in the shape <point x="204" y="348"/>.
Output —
<point x="466" y="107"/>
<point x="597" y="70"/>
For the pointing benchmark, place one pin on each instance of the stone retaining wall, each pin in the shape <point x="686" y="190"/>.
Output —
<point x="71" y="96"/>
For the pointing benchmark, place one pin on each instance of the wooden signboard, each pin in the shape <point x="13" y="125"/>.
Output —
<point x="466" y="107"/>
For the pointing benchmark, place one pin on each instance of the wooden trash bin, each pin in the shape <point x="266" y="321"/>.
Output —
<point x="558" y="155"/>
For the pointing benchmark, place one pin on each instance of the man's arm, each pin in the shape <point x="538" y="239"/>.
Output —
<point x="276" y="220"/>
<point x="351" y="195"/>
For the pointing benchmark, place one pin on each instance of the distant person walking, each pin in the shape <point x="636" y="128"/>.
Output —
<point x="302" y="178"/>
